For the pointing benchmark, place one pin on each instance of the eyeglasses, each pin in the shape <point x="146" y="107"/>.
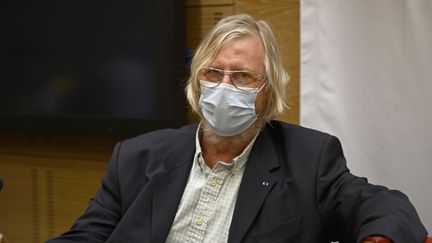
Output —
<point x="241" y="79"/>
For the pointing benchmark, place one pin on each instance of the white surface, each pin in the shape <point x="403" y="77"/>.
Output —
<point x="366" y="77"/>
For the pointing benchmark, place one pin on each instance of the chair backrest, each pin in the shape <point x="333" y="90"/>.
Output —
<point x="383" y="239"/>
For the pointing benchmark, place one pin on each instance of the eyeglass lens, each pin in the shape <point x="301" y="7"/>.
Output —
<point x="241" y="79"/>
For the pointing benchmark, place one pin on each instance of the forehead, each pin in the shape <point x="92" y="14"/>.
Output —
<point x="241" y="53"/>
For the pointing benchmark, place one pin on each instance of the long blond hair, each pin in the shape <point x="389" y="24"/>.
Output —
<point x="240" y="26"/>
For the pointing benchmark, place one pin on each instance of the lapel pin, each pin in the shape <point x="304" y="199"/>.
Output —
<point x="265" y="183"/>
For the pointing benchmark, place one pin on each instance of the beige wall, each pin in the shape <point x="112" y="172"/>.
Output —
<point x="49" y="179"/>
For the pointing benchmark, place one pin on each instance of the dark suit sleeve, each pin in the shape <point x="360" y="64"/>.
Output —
<point x="351" y="208"/>
<point x="102" y="214"/>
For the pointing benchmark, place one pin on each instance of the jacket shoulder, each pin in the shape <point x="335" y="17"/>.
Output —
<point x="296" y="132"/>
<point x="298" y="140"/>
<point x="147" y="150"/>
<point x="137" y="159"/>
<point x="163" y="136"/>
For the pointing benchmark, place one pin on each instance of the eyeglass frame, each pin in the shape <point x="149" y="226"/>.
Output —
<point x="230" y="72"/>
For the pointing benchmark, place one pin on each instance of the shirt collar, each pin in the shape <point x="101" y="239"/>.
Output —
<point x="237" y="163"/>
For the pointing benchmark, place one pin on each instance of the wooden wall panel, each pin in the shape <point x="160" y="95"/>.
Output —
<point x="47" y="183"/>
<point x="201" y="3"/>
<point x="199" y="20"/>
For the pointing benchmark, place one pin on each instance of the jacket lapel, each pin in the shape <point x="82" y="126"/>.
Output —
<point x="169" y="188"/>
<point x="256" y="184"/>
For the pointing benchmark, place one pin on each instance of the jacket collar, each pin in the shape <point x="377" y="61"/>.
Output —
<point x="170" y="185"/>
<point x="256" y="184"/>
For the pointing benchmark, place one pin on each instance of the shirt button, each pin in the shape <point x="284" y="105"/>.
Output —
<point x="213" y="183"/>
<point x="199" y="222"/>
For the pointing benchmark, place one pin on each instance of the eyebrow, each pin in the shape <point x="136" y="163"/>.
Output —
<point x="237" y="66"/>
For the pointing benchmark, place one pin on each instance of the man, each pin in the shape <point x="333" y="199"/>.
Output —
<point x="239" y="176"/>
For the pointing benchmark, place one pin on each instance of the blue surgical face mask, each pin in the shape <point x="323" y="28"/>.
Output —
<point x="228" y="110"/>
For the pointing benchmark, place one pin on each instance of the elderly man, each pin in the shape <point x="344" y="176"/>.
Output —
<point x="238" y="176"/>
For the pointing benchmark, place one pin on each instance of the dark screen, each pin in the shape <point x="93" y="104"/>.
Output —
<point x="78" y="57"/>
<point x="87" y="65"/>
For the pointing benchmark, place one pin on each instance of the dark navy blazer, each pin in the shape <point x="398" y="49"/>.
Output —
<point x="296" y="188"/>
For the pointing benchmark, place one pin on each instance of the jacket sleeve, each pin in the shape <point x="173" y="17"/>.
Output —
<point x="102" y="214"/>
<point x="352" y="209"/>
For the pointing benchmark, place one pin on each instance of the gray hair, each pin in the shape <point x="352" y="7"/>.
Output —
<point x="241" y="26"/>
